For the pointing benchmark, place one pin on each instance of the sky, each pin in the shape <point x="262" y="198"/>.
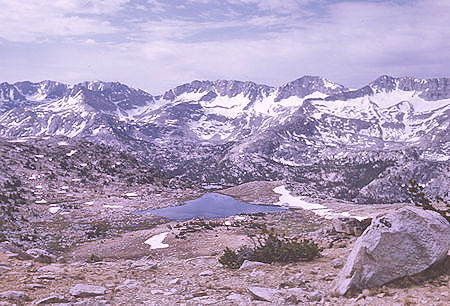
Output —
<point x="156" y="45"/>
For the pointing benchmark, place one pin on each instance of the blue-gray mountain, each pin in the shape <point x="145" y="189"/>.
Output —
<point x="360" y="145"/>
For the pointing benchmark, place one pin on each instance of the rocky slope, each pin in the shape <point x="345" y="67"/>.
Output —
<point x="360" y="145"/>
<point x="123" y="269"/>
<point x="43" y="180"/>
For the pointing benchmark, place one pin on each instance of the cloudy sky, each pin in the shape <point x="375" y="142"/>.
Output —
<point x="157" y="44"/>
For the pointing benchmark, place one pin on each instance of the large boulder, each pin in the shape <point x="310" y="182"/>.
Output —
<point x="402" y="243"/>
<point x="18" y="296"/>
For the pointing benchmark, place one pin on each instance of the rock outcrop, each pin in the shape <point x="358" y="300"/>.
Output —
<point x="248" y="264"/>
<point x="14" y="251"/>
<point x="19" y="296"/>
<point x="402" y="243"/>
<point x="41" y="256"/>
<point x="83" y="290"/>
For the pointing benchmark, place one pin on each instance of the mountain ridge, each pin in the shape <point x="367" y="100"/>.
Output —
<point x="230" y="132"/>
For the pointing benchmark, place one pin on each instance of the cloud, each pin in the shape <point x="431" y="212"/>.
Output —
<point x="195" y="31"/>
<point x="157" y="6"/>
<point x="90" y="41"/>
<point x="350" y="42"/>
<point x="286" y="6"/>
<point x="201" y="1"/>
<point x="35" y="20"/>
<point x="99" y="7"/>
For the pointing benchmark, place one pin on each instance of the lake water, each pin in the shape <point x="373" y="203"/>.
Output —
<point x="210" y="205"/>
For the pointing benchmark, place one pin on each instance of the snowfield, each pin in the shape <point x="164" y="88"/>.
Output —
<point x="287" y="200"/>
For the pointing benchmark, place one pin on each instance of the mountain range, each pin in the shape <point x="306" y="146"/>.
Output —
<point x="361" y="145"/>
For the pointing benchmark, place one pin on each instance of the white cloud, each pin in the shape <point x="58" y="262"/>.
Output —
<point x="33" y="20"/>
<point x="201" y="1"/>
<point x="286" y="6"/>
<point x="90" y="42"/>
<point x="100" y="7"/>
<point x="354" y="40"/>
<point x="351" y="43"/>
<point x="168" y="29"/>
<point x="157" y="6"/>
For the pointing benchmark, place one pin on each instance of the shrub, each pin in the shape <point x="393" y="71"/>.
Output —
<point x="275" y="249"/>
<point x="93" y="258"/>
<point x="2" y="235"/>
<point x="230" y="259"/>
<point x="270" y="247"/>
<point x="98" y="230"/>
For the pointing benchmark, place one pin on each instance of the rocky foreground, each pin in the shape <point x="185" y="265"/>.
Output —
<point x="120" y="268"/>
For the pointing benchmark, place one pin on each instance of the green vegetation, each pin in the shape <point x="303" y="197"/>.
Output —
<point x="98" y="230"/>
<point x="232" y="259"/>
<point x="195" y="226"/>
<point x="269" y="247"/>
<point x="2" y="235"/>
<point x="93" y="258"/>
<point x="420" y="199"/>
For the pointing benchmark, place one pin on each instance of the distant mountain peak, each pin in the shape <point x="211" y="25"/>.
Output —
<point x="225" y="88"/>
<point x="307" y="85"/>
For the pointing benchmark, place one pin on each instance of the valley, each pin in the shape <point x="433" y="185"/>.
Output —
<point x="79" y="163"/>
<point x="358" y="145"/>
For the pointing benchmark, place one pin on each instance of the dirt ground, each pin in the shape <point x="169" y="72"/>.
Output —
<point x="187" y="272"/>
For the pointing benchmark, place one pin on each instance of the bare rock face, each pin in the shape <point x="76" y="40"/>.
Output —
<point x="402" y="243"/>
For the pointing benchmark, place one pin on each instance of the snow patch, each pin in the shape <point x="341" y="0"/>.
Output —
<point x="211" y="187"/>
<point x="285" y="162"/>
<point x="329" y="84"/>
<point x="20" y="140"/>
<point x="296" y="202"/>
<point x="191" y="96"/>
<point x="131" y="195"/>
<point x="97" y="130"/>
<point x="112" y="206"/>
<point x="226" y="106"/>
<point x="156" y="242"/>
<point x="54" y="209"/>
<point x="72" y="152"/>
<point x="290" y="201"/>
